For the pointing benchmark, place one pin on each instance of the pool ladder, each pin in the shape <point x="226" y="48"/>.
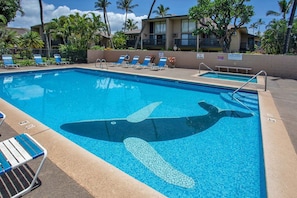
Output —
<point x="255" y="76"/>
<point x="203" y="64"/>
<point x="101" y="63"/>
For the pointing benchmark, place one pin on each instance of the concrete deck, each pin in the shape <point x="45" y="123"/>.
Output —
<point x="60" y="176"/>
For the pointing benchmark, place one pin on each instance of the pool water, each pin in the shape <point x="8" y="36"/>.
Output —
<point x="233" y="77"/>
<point x="182" y="139"/>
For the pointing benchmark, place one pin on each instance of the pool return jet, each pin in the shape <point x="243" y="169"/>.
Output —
<point x="138" y="129"/>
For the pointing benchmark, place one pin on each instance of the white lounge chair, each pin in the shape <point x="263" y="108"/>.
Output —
<point x="17" y="151"/>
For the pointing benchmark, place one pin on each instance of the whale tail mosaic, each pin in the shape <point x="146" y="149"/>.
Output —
<point x="138" y="129"/>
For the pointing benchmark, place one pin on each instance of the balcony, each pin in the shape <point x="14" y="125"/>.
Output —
<point x="154" y="43"/>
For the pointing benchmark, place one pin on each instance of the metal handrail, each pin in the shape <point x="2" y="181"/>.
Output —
<point x="265" y="85"/>
<point x="101" y="61"/>
<point x="205" y="66"/>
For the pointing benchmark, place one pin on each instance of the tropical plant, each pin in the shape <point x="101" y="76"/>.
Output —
<point x="130" y="25"/>
<point x="161" y="11"/>
<point x="284" y="7"/>
<point x="289" y="29"/>
<point x="119" y="39"/>
<point x="216" y="16"/>
<point x="273" y="38"/>
<point x="29" y="41"/>
<point x="8" y="39"/>
<point x="127" y="7"/>
<point x="42" y="28"/>
<point x="254" y="26"/>
<point x="102" y="5"/>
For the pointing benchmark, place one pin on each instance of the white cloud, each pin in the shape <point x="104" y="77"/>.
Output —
<point x="32" y="15"/>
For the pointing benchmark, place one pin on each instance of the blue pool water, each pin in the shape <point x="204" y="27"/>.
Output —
<point x="182" y="139"/>
<point x="234" y="77"/>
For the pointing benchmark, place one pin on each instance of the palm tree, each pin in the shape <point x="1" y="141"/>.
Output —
<point x="289" y="29"/>
<point x="259" y="23"/>
<point x="162" y="11"/>
<point x="254" y="26"/>
<point x="126" y="5"/>
<point x="130" y="25"/>
<point x="149" y="15"/>
<point x="43" y="29"/>
<point x="284" y="7"/>
<point x="102" y="5"/>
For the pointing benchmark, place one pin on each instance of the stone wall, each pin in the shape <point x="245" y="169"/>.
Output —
<point x="284" y="66"/>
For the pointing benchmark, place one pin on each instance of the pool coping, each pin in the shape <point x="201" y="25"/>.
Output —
<point x="279" y="154"/>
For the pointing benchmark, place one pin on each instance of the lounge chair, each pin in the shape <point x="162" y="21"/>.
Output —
<point x="120" y="61"/>
<point x="2" y="118"/>
<point x="161" y="65"/>
<point x="8" y="61"/>
<point x="18" y="151"/>
<point x="38" y="60"/>
<point x="145" y="64"/>
<point x="59" y="60"/>
<point x="132" y="63"/>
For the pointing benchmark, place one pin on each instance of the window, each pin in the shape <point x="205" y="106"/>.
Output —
<point x="188" y="26"/>
<point x="160" y="27"/>
<point x="188" y="39"/>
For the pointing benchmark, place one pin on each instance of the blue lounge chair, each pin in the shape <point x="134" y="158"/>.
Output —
<point x="59" y="60"/>
<point x="38" y="60"/>
<point x="145" y="64"/>
<point x="132" y="63"/>
<point x="17" y="151"/>
<point x="2" y="118"/>
<point x="161" y="65"/>
<point x="120" y="61"/>
<point x="8" y="61"/>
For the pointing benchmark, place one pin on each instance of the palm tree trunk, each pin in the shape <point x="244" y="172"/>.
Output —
<point x="149" y="15"/>
<point x="42" y="28"/>
<point x="289" y="29"/>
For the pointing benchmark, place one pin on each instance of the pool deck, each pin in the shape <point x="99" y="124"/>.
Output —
<point x="70" y="171"/>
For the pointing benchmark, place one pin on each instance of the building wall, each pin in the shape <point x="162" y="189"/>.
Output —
<point x="275" y="65"/>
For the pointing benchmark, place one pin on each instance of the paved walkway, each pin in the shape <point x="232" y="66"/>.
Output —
<point x="56" y="183"/>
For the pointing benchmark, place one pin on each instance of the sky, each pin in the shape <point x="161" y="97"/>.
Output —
<point x="56" y="8"/>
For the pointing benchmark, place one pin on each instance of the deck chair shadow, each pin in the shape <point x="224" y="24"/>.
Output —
<point x="145" y="64"/>
<point x="161" y="65"/>
<point x="38" y="60"/>
<point x="132" y="63"/>
<point x="59" y="60"/>
<point x="120" y="61"/>
<point x="8" y="61"/>
<point x="18" y="151"/>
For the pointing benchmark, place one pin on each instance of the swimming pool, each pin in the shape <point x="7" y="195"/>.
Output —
<point x="233" y="77"/>
<point x="205" y="159"/>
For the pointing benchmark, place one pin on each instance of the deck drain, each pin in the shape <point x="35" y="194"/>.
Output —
<point x="271" y="119"/>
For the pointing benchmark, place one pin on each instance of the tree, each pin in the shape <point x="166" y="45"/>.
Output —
<point x="29" y="41"/>
<point x="259" y="23"/>
<point x="161" y="10"/>
<point x="126" y="5"/>
<point x="273" y="38"/>
<point x="102" y="5"/>
<point x="289" y="29"/>
<point x="149" y="15"/>
<point x="9" y="8"/>
<point x="216" y="16"/>
<point x="130" y="25"/>
<point x="119" y="39"/>
<point x="254" y="26"/>
<point x="284" y="7"/>
<point x="43" y="29"/>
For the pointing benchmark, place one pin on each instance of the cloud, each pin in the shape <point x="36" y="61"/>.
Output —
<point x="32" y="15"/>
